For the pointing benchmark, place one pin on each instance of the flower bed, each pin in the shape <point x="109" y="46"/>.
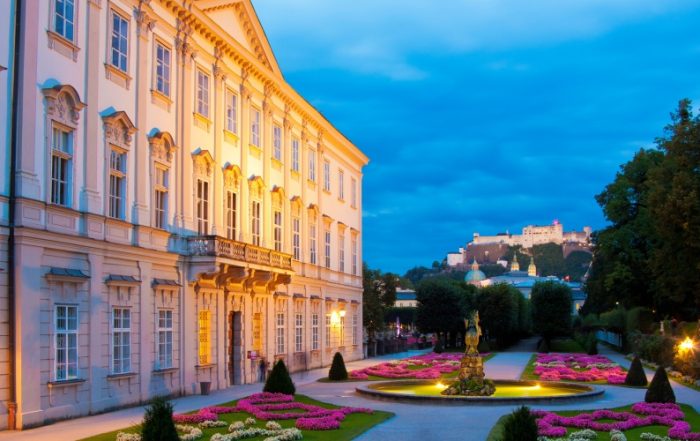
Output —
<point x="640" y="415"/>
<point x="577" y="367"/>
<point x="425" y="367"/>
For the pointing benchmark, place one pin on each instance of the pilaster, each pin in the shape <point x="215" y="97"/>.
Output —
<point x="245" y="142"/>
<point x="91" y="200"/>
<point x="286" y="170"/>
<point x="267" y="241"/>
<point x="98" y="308"/>
<point x="217" y="196"/>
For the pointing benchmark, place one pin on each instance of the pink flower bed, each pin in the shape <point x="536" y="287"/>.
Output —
<point x="643" y="414"/>
<point x="578" y="367"/>
<point x="271" y="406"/>
<point x="427" y="366"/>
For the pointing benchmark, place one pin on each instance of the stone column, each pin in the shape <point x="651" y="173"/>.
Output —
<point x="221" y="355"/>
<point x="146" y="331"/>
<point x="140" y="214"/>
<point x="286" y="170"/>
<point x="266" y="132"/>
<point x="217" y="197"/>
<point x="245" y="141"/>
<point x="98" y="309"/>
<point x="185" y="184"/>
<point x="91" y="200"/>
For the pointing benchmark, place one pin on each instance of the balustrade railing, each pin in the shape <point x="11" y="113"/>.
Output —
<point x="216" y="246"/>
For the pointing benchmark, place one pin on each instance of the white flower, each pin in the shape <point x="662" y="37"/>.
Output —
<point x="123" y="436"/>
<point x="250" y="421"/>
<point x="273" y="425"/>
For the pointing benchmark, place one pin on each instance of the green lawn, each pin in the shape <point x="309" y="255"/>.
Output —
<point x="352" y="426"/>
<point x="566" y="345"/>
<point x="691" y="416"/>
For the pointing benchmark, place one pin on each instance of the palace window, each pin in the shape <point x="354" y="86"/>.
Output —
<point x="255" y="127"/>
<point x="341" y="185"/>
<point x="280" y="333"/>
<point x="277" y="142"/>
<point x="328" y="248"/>
<point x="202" y="207"/>
<point x="314" y="332"/>
<point x="61" y="166"/>
<point x="312" y="241"/>
<point x="202" y="93"/>
<point x="354" y="254"/>
<point x="160" y="196"/>
<point x="296" y="237"/>
<point x="257" y="332"/>
<point x="312" y="166"/>
<point x="355" y="321"/>
<point x="341" y="252"/>
<point x="204" y="333"/>
<point x="231" y="205"/>
<point x="117" y="183"/>
<point x="277" y="215"/>
<point x="121" y="340"/>
<point x="64" y="18"/>
<point x="165" y="339"/>
<point x="66" y="364"/>
<point x="342" y="330"/>
<point x="255" y="219"/>
<point x="163" y="69"/>
<point x="231" y="111"/>
<point x="119" y="45"/>
<point x="353" y="192"/>
<point x="298" y="333"/>
<point x="295" y="155"/>
<point x="326" y="176"/>
<point x="328" y="330"/>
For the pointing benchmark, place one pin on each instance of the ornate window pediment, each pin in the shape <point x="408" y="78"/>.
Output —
<point x="256" y="186"/>
<point x="118" y="129"/>
<point x="278" y="197"/>
<point x="162" y="147"/>
<point x="296" y="204"/>
<point x="203" y="163"/>
<point x="313" y="209"/>
<point x="63" y="104"/>
<point x="232" y="176"/>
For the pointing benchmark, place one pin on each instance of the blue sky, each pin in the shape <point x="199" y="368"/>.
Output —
<point x="485" y="115"/>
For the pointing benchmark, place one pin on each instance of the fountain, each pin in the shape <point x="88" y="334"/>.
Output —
<point x="471" y="385"/>
<point x="471" y="381"/>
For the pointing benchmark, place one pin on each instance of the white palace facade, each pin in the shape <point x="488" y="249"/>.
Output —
<point x="171" y="210"/>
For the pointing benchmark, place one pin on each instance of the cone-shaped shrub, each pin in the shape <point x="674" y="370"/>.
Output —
<point x="592" y="348"/>
<point x="521" y="425"/>
<point x="636" y="376"/>
<point x="279" y="380"/>
<point x="158" y="421"/>
<point x="543" y="347"/>
<point x="439" y="347"/>
<point x="660" y="390"/>
<point x="338" y="371"/>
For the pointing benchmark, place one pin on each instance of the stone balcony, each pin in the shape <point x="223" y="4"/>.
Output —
<point x="219" y="261"/>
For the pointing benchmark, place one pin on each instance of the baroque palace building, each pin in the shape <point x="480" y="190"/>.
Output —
<point x="171" y="210"/>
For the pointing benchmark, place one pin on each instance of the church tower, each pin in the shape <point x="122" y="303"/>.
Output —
<point x="514" y="265"/>
<point x="532" y="269"/>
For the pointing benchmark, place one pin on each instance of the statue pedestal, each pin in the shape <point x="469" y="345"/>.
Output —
<point x="471" y="381"/>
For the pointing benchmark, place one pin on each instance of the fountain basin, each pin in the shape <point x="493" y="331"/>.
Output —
<point x="507" y="392"/>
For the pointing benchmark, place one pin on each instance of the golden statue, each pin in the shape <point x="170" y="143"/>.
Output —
<point x="472" y="334"/>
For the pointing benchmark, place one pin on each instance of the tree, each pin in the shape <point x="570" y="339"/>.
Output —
<point x="439" y="306"/>
<point x="158" y="421"/>
<point x="577" y="263"/>
<point x="498" y="310"/>
<point x="338" y="372"/>
<point x="279" y="380"/>
<point x="660" y="390"/>
<point x="549" y="258"/>
<point x="372" y="306"/>
<point x="551" y="309"/>
<point x="674" y="207"/>
<point x="418" y="273"/>
<point x="523" y="258"/>
<point x="521" y="425"/>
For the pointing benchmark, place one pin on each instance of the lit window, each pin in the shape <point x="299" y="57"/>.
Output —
<point x="64" y="18"/>
<point x="255" y="127"/>
<point x="66" y="364"/>
<point x="295" y="155"/>
<point x="312" y="241"/>
<point x="341" y="252"/>
<point x="277" y="142"/>
<point x="328" y="248"/>
<point x="119" y="42"/>
<point x="280" y="333"/>
<point x="312" y="166"/>
<point x="204" y="331"/>
<point x="231" y="111"/>
<point x="162" y="69"/>
<point x="117" y="183"/>
<point x="257" y="331"/>
<point x="202" y="93"/>
<point x="299" y="333"/>
<point x="296" y="237"/>
<point x="355" y="328"/>
<point x="326" y="175"/>
<point x="61" y="166"/>
<point x="160" y="196"/>
<point x="314" y="332"/>
<point x="342" y="331"/>
<point x="256" y="212"/>
<point x="231" y="215"/>
<point x="278" y="230"/>
<point x="121" y="340"/>
<point x="341" y="185"/>
<point x="165" y="339"/>
<point x="354" y="255"/>
<point x="202" y="207"/>
<point x="328" y="330"/>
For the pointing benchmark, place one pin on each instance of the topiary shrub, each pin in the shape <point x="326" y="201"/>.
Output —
<point x="543" y="346"/>
<point x="660" y="390"/>
<point x="439" y="346"/>
<point x="337" y="371"/>
<point x="592" y="347"/>
<point x="636" y="376"/>
<point x="158" y="422"/>
<point x="521" y="425"/>
<point x="279" y="380"/>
